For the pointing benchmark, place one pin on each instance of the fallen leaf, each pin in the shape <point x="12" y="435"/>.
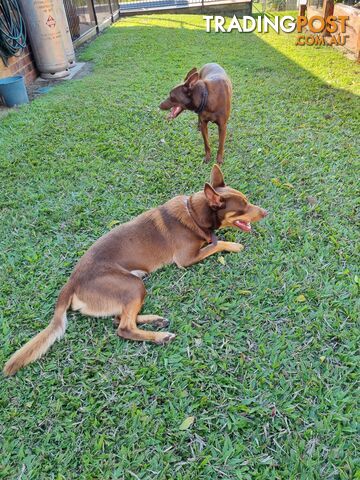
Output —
<point x="276" y="182"/>
<point x="187" y="423"/>
<point x="113" y="223"/>
<point x="301" y="298"/>
<point x="221" y="260"/>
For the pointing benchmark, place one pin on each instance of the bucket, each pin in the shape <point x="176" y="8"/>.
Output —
<point x="13" y="91"/>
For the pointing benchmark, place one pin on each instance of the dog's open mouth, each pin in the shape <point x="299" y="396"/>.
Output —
<point x="175" y="111"/>
<point x="244" y="226"/>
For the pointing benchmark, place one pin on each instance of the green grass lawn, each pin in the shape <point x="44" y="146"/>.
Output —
<point x="266" y="354"/>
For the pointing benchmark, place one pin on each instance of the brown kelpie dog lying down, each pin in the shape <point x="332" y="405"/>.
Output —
<point x="107" y="279"/>
<point x="207" y="93"/>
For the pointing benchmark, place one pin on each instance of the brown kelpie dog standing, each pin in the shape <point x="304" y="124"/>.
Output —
<point x="207" y="93"/>
<point x="107" y="279"/>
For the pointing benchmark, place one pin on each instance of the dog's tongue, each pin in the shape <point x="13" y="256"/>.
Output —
<point x="175" y="111"/>
<point x="244" y="226"/>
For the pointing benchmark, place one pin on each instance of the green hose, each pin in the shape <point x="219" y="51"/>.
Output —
<point x="12" y="29"/>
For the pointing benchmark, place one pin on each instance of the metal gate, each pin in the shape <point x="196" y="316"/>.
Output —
<point x="87" y="16"/>
<point x="139" y="6"/>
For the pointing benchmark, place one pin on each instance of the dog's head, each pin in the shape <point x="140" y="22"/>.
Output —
<point x="180" y="97"/>
<point x="232" y="207"/>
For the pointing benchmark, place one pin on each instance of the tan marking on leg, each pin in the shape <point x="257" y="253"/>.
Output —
<point x="138" y="273"/>
<point x="97" y="307"/>
<point x="76" y="303"/>
<point x="128" y="329"/>
<point x="155" y="320"/>
<point x="148" y="318"/>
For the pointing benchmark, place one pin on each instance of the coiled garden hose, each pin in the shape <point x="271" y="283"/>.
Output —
<point x="12" y="29"/>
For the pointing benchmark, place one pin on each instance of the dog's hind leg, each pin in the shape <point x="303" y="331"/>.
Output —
<point x="129" y="317"/>
<point x="122" y="294"/>
<point x="159" y="322"/>
<point x="156" y="320"/>
<point x="128" y="328"/>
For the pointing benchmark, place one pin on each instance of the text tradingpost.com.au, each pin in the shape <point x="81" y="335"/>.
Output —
<point x="316" y="25"/>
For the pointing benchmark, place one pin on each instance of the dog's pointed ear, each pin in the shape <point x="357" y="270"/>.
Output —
<point x="193" y="70"/>
<point x="214" y="200"/>
<point x="190" y="82"/>
<point x="217" y="177"/>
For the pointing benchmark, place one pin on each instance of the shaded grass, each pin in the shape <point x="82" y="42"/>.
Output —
<point x="266" y="354"/>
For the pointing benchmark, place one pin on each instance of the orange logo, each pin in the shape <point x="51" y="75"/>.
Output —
<point x="318" y="24"/>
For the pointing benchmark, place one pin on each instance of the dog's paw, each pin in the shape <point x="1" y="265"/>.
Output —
<point x="164" y="338"/>
<point x="219" y="160"/>
<point x="161" y="323"/>
<point x="234" y="247"/>
<point x="207" y="158"/>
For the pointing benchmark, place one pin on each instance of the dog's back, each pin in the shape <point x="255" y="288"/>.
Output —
<point x="213" y="72"/>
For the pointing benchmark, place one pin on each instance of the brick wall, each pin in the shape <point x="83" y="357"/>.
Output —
<point x="20" y="65"/>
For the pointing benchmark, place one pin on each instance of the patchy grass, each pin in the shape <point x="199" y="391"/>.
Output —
<point x="265" y="358"/>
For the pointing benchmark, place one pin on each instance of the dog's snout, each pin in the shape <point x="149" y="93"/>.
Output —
<point x="264" y="212"/>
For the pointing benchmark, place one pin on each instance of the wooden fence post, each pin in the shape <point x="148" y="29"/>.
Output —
<point x="111" y="12"/>
<point x="328" y="9"/>
<point x="302" y="8"/>
<point x="92" y="14"/>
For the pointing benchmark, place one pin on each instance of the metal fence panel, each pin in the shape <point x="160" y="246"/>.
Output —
<point x="143" y="5"/>
<point x="86" y="15"/>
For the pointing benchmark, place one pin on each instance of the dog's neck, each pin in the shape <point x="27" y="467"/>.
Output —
<point x="205" y="219"/>
<point x="200" y="96"/>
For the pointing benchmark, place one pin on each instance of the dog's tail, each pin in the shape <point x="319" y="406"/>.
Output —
<point x="40" y="344"/>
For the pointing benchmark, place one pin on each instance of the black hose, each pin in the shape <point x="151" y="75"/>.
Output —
<point x="12" y="29"/>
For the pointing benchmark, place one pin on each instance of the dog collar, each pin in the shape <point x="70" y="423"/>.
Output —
<point x="209" y="234"/>
<point x="204" y="99"/>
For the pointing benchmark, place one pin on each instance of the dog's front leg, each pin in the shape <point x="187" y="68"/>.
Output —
<point x="205" y="134"/>
<point x="222" y="136"/>
<point x="191" y="258"/>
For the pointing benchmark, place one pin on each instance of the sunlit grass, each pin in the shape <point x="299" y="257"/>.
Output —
<point x="326" y="63"/>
